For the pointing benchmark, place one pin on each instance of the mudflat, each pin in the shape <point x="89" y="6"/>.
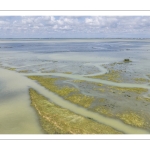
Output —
<point x="92" y="91"/>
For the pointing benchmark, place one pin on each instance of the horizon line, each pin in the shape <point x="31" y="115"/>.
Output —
<point x="82" y="38"/>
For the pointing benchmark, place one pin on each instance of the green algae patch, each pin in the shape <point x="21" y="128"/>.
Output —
<point x="68" y="93"/>
<point x="142" y="98"/>
<point x="99" y="84"/>
<point x="12" y="69"/>
<point x="78" y="81"/>
<point x="68" y="72"/>
<point x="23" y="71"/>
<point x="132" y="118"/>
<point x="73" y="95"/>
<point x="47" y="71"/>
<point x="111" y="76"/>
<point x="141" y="80"/>
<point x="101" y="89"/>
<point x="65" y="91"/>
<point x="125" y="89"/>
<point x="147" y="99"/>
<point x="103" y="110"/>
<point x="52" y="71"/>
<point x="57" y="120"/>
<point x="118" y="90"/>
<point x="102" y="100"/>
<point x="81" y="99"/>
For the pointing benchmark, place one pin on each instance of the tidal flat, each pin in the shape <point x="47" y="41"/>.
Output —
<point x="57" y="120"/>
<point x="69" y="87"/>
<point x="83" y="94"/>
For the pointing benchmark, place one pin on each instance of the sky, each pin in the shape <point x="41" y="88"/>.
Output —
<point x="74" y="26"/>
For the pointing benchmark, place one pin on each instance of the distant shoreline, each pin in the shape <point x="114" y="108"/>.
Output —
<point x="78" y="38"/>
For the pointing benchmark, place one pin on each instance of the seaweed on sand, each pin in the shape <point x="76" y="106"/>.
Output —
<point x="68" y="93"/>
<point x="57" y="120"/>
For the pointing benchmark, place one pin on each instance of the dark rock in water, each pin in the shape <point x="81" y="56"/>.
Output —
<point x="127" y="60"/>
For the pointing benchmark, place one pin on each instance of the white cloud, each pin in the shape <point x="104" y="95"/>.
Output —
<point x="3" y="23"/>
<point x="36" y="27"/>
<point x="110" y="25"/>
<point x="55" y="27"/>
<point x="65" y="28"/>
<point x="27" y="21"/>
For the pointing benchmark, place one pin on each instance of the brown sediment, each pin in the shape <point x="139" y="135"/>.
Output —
<point x="57" y="120"/>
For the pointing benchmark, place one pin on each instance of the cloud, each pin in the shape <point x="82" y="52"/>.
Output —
<point x="94" y="26"/>
<point x="102" y="22"/>
<point x="3" y="23"/>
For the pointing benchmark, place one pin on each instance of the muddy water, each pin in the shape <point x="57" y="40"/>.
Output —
<point x="116" y="124"/>
<point x="80" y="77"/>
<point x="101" y="69"/>
<point x="16" y="114"/>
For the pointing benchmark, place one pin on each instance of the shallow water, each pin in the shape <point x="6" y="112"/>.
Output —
<point x="78" y="56"/>
<point x="80" y="77"/>
<point x="16" y="114"/>
<point x="24" y="113"/>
